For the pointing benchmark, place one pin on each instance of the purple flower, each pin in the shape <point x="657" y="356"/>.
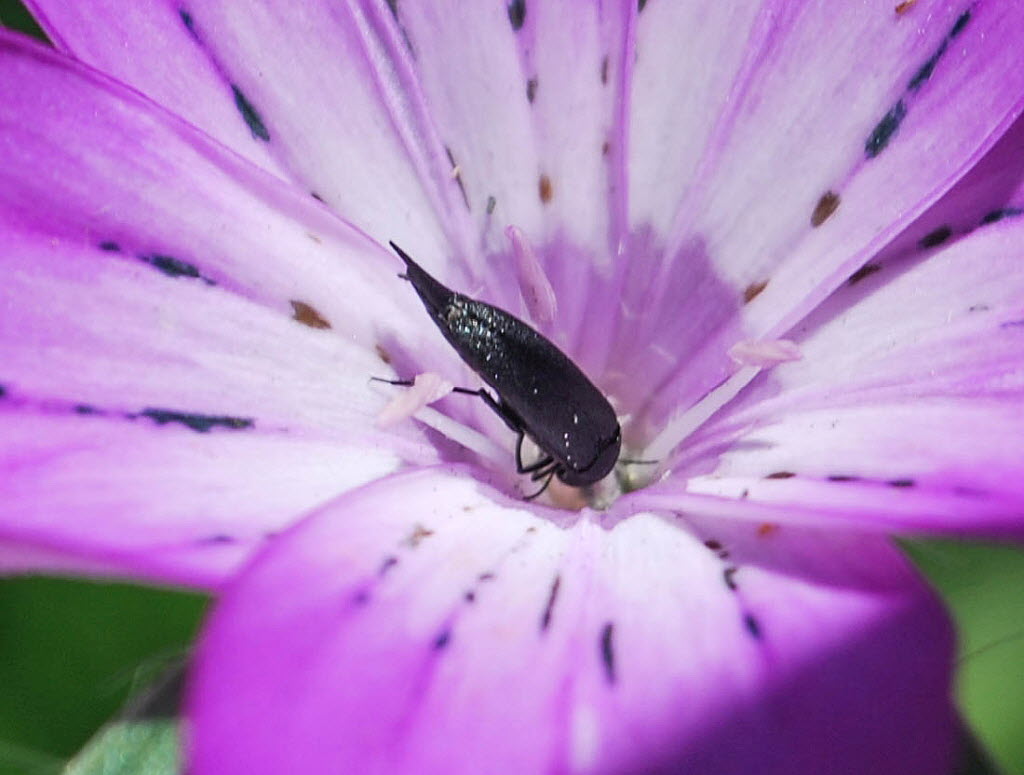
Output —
<point x="741" y="214"/>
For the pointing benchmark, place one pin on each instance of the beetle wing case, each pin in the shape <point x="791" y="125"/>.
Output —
<point x="560" y="408"/>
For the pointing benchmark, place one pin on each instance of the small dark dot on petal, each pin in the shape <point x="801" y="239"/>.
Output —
<point x="781" y="475"/>
<point x="110" y="246"/>
<point x="250" y="115"/>
<point x="545" y="189"/>
<point x="604" y="69"/>
<point x="316" y="196"/>
<point x="417" y="535"/>
<point x="935" y="237"/>
<point x="978" y="308"/>
<point x="713" y="545"/>
<point x="470" y="596"/>
<point x="997" y="215"/>
<point x="172" y="267"/>
<point x="386" y="565"/>
<point x="486" y="576"/>
<point x="827" y="205"/>
<point x="900" y="482"/>
<point x="549" y="607"/>
<point x="842" y="478"/>
<point x="361" y="596"/>
<point x="3" y="391"/>
<point x="885" y="130"/>
<point x="383" y="354"/>
<point x="217" y="538"/>
<point x="442" y="640"/>
<point x="865" y="271"/>
<point x="517" y="14"/>
<point x="606" y="147"/>
<point x="188" y="21"/>
<point x="608" y="651"/>
<point x="753" y="290"/>
<point x="641" y="4"/>
<point x="491" y="204"/>
<point x="393" y="7"/>
<point x="84" y="409"/>
<point x="531" y="90"/>
<point x="307" y="315"/>
<point x="728" y="576"/>
<point x="752" y="626"/>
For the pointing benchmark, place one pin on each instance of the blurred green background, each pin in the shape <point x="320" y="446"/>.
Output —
<point x="72" y="652"/>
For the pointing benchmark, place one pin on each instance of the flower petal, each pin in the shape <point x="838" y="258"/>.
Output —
<point x="905" y="408"/>
<point x="460" y="635"/>
<point x="318" y="88"/>
<point x="836" y="127"/>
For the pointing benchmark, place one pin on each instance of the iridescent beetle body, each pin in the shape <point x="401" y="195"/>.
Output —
<point x="541" y="392"/>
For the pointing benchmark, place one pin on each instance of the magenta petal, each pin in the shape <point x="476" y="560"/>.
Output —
<point x="798" y="160"/>
<point x="418" y="626"/>
<point x="905" y="410"/>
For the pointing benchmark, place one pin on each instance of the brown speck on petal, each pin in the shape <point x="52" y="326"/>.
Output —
<point x="781" y="475"/>
<point x="545" y="189"/>
<point x="767" y="529"/>
<point x="865" y="271"/>
<point x="753" y="291"/>
<point x="417" y="535"/>
<point x="905" y="6"/>
<point x="305" y="314"/>
<point x="383" y="354"/>
<point x="605" y="148"/>
<point x="826" y="206"/>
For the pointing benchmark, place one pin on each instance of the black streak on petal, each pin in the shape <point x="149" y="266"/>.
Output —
<point x="110" y="246"/>
<point x="865" y="271"/>
<point x="885" y="130"/>
<point x="900" y="483"/>
<point x="491" y="204"/>
<point x="959" y="25"/>
<point x="252" y="118"/>
<point x="549" y="609"/>
<point x="842" y="478"/>
<point x="926" y="70"/>
<point x="201" y="423"/>
<point x="935" y="238"/>
<point x="608" y="652"/>
<point x="389" y="562"/>
<point x="640" y="5"/>
<point x="531" y="90"/>
<point x="517" y="14"/>
<point x="189" y="22"/>
<point x="997" y="215"/>
<point x="728" y="575"/>
<point x="752" y="626"/>
<point x="781" y="475"/>
<point x="442" y="640"/>
<point x="3" y="391"/>
<point x="217" y="538"/>
<point x="174" y="267"/>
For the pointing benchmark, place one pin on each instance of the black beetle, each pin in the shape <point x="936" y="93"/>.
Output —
<point x="541" y="393"/>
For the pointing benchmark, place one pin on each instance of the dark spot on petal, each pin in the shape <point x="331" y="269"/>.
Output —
<point x="1012" y="324"/>
<point x="197" y="422"/>
<point x="608" y="652"/>
<point x="900" y="483"/>
<point x="728" y="575"/>
<point x="605" y="148"/>
<point x="442" y="640"/>
<point x="926" y="70"/>
<point x="531" y="90"/>
<point x="3" y="391"/>
<point x="307" y="315"/>
<point x="517" y="14"/>
<point x="936" y="237"/>
<point x="885" y="130"/>
<point x="978" y="308"/>
<point x="604" y="69"/>
<point x="393" y="7"/>
<point x="110" y="246"/>
<point x="544" y="189"/>
<point x="189" y="22"/>
<point x="752" y="626"/>
<point x="998" y="215"/>
<point x="865" y="271"/>
<point x="641" y="4"/>
<point x="959" y="24"/>
<point x="713" y="545"/>
<point x="826" y="206"/>
<point x="417" y="535"/>
<point x="86" y="409"/>
<point x="491" y="204"/>
<point x="781" y="475"/>
<point x="361" y="597"/>
<point x="470" y="596"/>
<point x="383" y="354"/>
<point x="316" y="196"/>
<point x="250" y="115"/>
<point x="753" y="291"/>
<point x="217" y="538"/>
<point x="174" y="267"/>
<point x="488" y="576"/>
<point x="905" y="6"/>
<point x="388" y="563"/>
<point x="842" y="478"/>
<point x="549" y="608"/>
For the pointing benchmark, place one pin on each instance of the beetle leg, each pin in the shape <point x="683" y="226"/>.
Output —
<point x="547" y="482"/>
